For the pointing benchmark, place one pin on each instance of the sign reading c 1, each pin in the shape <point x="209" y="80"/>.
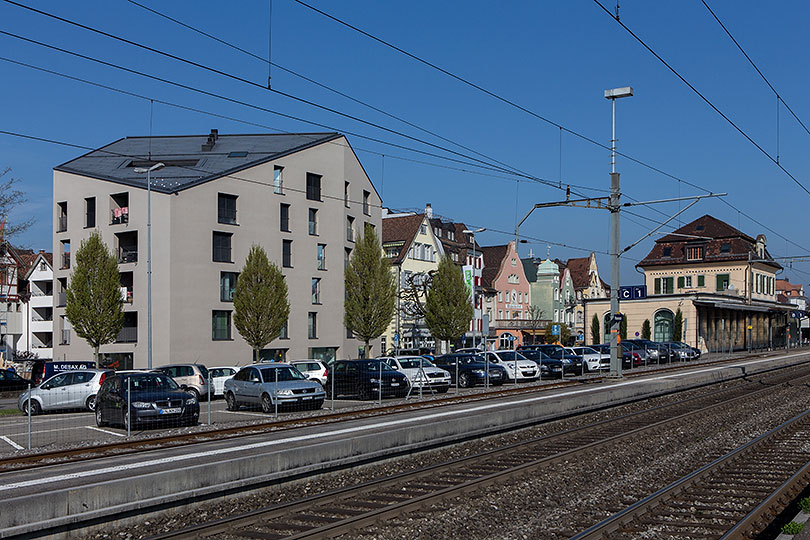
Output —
<point x="633" y="292"/>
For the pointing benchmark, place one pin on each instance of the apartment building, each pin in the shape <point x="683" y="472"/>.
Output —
<point x="302" y="197"/>
<point x="38" y="335"/>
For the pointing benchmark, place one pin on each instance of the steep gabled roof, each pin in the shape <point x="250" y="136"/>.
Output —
<point x="462" y="241"/>
<point x="187" y="164"/>
<point x="401" y="229"/>
<point x="493" y="258"/>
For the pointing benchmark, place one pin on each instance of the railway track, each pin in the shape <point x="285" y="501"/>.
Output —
<point x="83" y="453"/>
<point x="345" y="510"/>
<point x="732" y="498"/>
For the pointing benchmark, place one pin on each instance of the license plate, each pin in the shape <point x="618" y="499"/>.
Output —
<point x="394" y="384"/>
<point x="173" y="410"/>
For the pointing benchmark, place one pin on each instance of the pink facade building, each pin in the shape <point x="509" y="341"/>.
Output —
<point x="507" y="297"/>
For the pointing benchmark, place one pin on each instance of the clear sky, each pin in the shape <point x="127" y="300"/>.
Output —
<point x="553" y="58"/>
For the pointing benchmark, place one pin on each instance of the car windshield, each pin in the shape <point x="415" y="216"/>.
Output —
<point x="533" y="354"/>
<point x="586" y="350"/>
<point x="374" y="365"/>
<point x="285" y="373"/>
<point x="149" y="382"/>
<point x="472" y="359"/>
<point x="510" y="356"/>
<point x="414" y="363"/>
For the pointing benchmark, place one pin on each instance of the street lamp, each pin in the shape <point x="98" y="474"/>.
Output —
<point x="141" y="170"/>
<point x="472" y="233"/>
<point x="613" y="206"/>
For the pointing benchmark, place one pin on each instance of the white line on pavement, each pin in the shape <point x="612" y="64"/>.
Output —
<point x="239" y="412"/>
<point x="12" y="443"/>
<point x="105" y="431"/>
<point x="424" y="418"/>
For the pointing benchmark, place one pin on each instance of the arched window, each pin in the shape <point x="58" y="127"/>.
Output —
<point x="662" y="325"/>
<point x="606" y="327"/>
<point x="506" y="341"/>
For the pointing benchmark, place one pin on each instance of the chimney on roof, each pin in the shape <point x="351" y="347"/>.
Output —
<point x="428" y="211"/>
<point x="212" y="139"/>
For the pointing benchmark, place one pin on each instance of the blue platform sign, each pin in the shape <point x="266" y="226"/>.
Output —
<point x="555" y="329"/>
<point x="633" y="292"/>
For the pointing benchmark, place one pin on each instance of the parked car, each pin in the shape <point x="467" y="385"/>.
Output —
<point x="472" y="369"/>
<point x="657" y="352"/>
<point x="364" y="378"/>
<point x="420" y="371"/>
<point x="594" y="360"/>
<point x="193" y="376"/>
<point x="135" y="398"/>
<point x="11" y="382"/>
<point x="42" y="369"/>
<point x="268" y="385"/>
<point x="574" y="364"/>
<point x="68" y="390"/>
<point x="684" y="351"/>
<point x="314" y="370"/>
<point x="630" y="358"/>
<point x="516" y="365"/>
<point x="549" y="367"/>
<point x="218" y="377"/>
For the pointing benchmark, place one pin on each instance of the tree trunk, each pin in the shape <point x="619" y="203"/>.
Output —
<point x="367" y="349"/>
<point x="255" y="356"/>
<point x="95" y="356"/>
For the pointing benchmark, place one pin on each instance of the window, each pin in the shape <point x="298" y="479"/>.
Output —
<point x="226" y="208"/>
<point x="701" y="281"/>
<point x="313" y="221"/>
<point x="694" y="253"/>
<point x="278" y="180"/>
<point x="725" y="248"/>
<point x="316" y="290"/>
<point x="667" y="252"/>
<point x="227" y="285"/>
<point x="222" y="247"/>
<point x="347" y="255"/>
<point x="286" y="253"/>
<point x="350" y="228"/>
<point x="366" y="207"/>
<point x="556" y="315"/>
<point x="285" y="218"/>
<point x="346" y="194"/>
<point x="681" y="282"/>
<point x="285" y="331"/>
<point x="119" y="208"/>
<point x="61" y="216"/>
<point x="688" y="282"/>
<point x="313" y="187"/>
<point x="65" y="254"/>
<point x="722" y="282"/>
<point x="221" y="325"/>
<point x="500" y="314"/>
<point x="90" y="212"/>
<point x="321" y="256"/>
<point x="500" y="297"/>
<point x="664" y="285"/>
<point x="423" y="229"/>
<point x="312" y="325"/>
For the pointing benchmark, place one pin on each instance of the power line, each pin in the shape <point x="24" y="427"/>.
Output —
<point x="779" y="97"/>
<point x="704" y="98"/>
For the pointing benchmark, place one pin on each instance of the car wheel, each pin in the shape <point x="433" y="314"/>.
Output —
<point x="442" y="390"/>
<point x="36" y="408"/>
<point x="497" y="383"/>
<point x="464" y="380"/>
<point x="364" y="393"/>
<point x="267" y="403"/>
<point x="328" y="390"/>
<point x="195" y="393"/>
<point x="91" y="403"/>
<point x="100" y="419"/>
<point x="230" y="402"/>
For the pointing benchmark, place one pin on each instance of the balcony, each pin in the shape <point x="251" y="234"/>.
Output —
<point x="127" y="255"/>
<point x="128" y="334"/>
<point x="119" y="215"/>
<point x="61" y="224"/>
<point x="65" y="338"/>
<point x="65" y="261"/>
<point x="521" y="324"/>
<point x="61" y="299"/>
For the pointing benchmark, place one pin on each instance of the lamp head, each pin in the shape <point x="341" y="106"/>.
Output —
<point x="616" y="93"/>
<point x="156" y="166"/>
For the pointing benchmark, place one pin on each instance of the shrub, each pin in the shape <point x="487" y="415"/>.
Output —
<point x="792" y="528"/>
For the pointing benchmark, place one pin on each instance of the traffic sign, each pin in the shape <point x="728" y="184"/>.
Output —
<point x="555" y="329"/>
<point x="618" y="317"/>
<point x="636" y="334"/>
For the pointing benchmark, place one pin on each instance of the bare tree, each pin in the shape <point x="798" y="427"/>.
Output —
<point x="11" y="198"/>
<point x="535" y="318"/>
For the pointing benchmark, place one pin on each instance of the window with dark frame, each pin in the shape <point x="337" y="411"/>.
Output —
<point x="278" y="180"/>
<point x="313" y="221"/>
<point x="286" y="253"/>
<point x="90" y="212"/>
<point x="366" y="206"/>
<point x="285" y="331"/>
<point x="321" y="256"/>
<point x="285" y="218"/>
<point x="316" y="290"/>
<point x="61" y="216"/>
<point x="350" y="228"/>
<point x="313" y="187"/>
<point x="667" y="252"/>
<point x="694" y="253"/>
<point x="227" y="285"/>
<point x="222" y="247"/>
<point x="312" y="325"/>
<point x="346" y="194"/>
<point x="221" y="325"/>
<point x="226" y="208"/>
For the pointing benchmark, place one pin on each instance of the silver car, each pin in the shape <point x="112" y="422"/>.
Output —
<point x="267" y="385"/>
<point x="67" y="390"/>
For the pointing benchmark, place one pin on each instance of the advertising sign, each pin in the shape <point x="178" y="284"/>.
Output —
<point x="467" y="271"/>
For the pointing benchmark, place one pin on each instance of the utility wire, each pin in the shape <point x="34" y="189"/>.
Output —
<point x="779" y="97"/>
<point x="701" y="96"/>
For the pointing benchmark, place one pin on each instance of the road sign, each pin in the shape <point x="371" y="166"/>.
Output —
<point x="633" y="292"/>
<point x="636" y="334"/>
<point x="618" y="317"/>
<point x="396" y="338"/>
<point x="580" y="337"/>
<point x="555" y="329"/>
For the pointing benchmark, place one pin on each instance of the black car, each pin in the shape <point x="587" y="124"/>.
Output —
<point x="549" y="367"/>
<point x="572" y="362"/>
<point x="130" y="399"/>
<point x="362" y="378"/>
<point x="629" y="358"/>
<point x="682" y="350"/>
<point x="472" y="369"/>
<point x="657" y="352"/>
<point x="11" y="382"/>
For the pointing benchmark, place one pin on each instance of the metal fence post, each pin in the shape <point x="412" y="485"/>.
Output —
<point x="456" y="375"/>
<point x="29" y="416"/>
<point x="275" y="391"/>
<point x="209" y="398"/>
<point x="129" y="408"/>
<point x="379" y="386"/>
<point x="334" y="364"/>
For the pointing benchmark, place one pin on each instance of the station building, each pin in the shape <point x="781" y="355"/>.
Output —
<point x="303" y="197"/>
<point x="723" y="282"/>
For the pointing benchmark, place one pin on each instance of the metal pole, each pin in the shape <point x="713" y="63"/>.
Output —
<point x="209" y="398"/>
<point x="421" y="378"/>
<point x="456" y="375"/>
<point x="29" y="416"/>
<point x="379" y="386"/>
<point x="486" y="367"/>
<point x="275" y="391"/>
<point x="334" y="363"/>
<point x="129" y="407"/>
<point x="615" y="364"/>
<point x="149" y="268"/>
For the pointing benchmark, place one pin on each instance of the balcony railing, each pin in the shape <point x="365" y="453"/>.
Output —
<point x="65" y="260"/>
<point x="65" y="340"/>
<point x="521" y="324"/>
<point x="128" y="334"/>
<point x="119" y="215"/>
<point x="127" y="255"/>
<point x="61" y="224"/>
<point x="61" y="300"/>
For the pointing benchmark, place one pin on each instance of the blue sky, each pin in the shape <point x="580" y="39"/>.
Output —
<point x="554" y="58"/>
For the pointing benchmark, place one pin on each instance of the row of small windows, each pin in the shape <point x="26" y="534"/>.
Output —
<point x="422" y="252"/>
<point x="666" y="285"/>
<point x="517" y="297"/>
<point x="222" y="327"/>
<point x="119" y="212"/>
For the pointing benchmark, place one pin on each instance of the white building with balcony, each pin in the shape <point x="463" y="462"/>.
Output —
<point x="37" y="336"/>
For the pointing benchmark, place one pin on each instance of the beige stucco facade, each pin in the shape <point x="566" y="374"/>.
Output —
<point x="186" y="280"/>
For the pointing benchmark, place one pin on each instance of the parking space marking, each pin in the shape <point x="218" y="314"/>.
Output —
<point x="240" y="412"/>
<point x="12" y="443"/>
<point x="430" y="416"/>
<point x="105" y="431"/>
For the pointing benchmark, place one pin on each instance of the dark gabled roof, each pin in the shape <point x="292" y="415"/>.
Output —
<point x="530" y="269"/>
<point x="187" y="164"/>
<point x="720" y="242"/>
<point x="462" y="241"/>
<point x="580" y="268"/>
<point x="493" y="258"/>
<point x="401" y="229"/>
